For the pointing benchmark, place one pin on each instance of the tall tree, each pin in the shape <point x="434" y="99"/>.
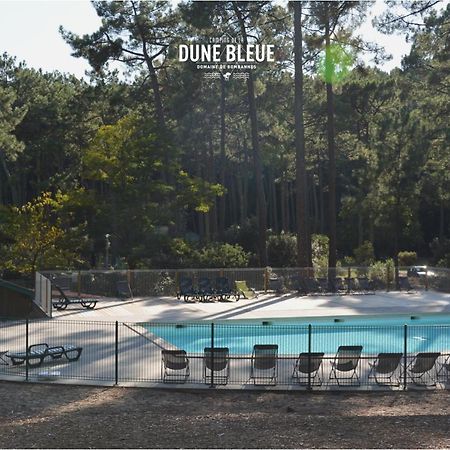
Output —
<point x="241" y="11"/>
<point x="304" y="257"/>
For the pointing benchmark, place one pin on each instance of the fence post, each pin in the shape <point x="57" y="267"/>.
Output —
<point x="309" y="357"/>
<point x="212" y="355"/>
<point x="116" y="355"/>
<point x="266" y="279"/>
<point x="426" y="279"/>
<point x="405" y="352"/>
<point x="26" y="349"/>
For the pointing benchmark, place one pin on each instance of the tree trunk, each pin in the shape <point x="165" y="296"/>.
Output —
<point x="260" y="194"/>
<point x="222" y="200"/>
<point x="284" y="219"/>
<point x="304" y="258"/>
<point x="332" y="256"/>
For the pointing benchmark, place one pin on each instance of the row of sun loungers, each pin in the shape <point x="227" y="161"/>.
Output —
<point x="206" y="291"/>
<point x="385" y="369"/>
<point x="225" y="290"/>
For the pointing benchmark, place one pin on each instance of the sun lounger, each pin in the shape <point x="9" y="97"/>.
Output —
<point x="444" y="370"/>
<point x="216" y="368"/>
<point x="306" y="368"/>
<point x="346" y="362"/>
<point x="264" y="364"/>
<point x="64" y="300"/>
<point x="421" y="366"/>
<point x="224" y="291"/>
<point x="244" y="290"/>
<point x="385" y="367"/>
<point x="187" y="290"/>
<point x="37" y="353"/>
<point x="205" y="290"/>
<point x="174" y="366"/>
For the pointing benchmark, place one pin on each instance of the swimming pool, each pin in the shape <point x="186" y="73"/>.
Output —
<point x="426" y="332"/>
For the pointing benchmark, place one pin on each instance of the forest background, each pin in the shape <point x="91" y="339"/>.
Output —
<point x="317" y="158"/>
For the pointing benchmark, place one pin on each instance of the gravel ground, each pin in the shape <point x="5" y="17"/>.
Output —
<point x="58" y="416"/>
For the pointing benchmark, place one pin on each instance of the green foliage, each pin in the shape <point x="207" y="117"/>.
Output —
<point x="41" y="236"/>
<point x="220" y="255"/>
<point x="282" y="250"/>
<point x="440" y="249"/>
<point x="406" y="258"/>
<point x="319" y="244"/>
<point x="364" y="254"/>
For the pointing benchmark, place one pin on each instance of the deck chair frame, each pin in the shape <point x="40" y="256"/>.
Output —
<point x="62" y="303"/>
<point x="346" y="360"/>
<point x="419" y="367"/>
<point x="308" y="369"/>
<point x="264" y="359"/>
<point x="175" y="367"/>
<point x="37" y="353"/>
<point x="244" y="290"/>
<point x="216" y="365"/>
<point x="384" y="368"/>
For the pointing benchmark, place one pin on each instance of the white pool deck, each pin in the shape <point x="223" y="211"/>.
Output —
<point x="139" y="360"/>
<point x="170" y="309"/>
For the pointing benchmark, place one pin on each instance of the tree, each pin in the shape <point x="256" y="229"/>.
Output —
<point x="10" y="146"/>
<point x="331" y="16"/>
<point x="304" y="258"/>
<point x="133" y="32"/>
<point x="41" y="236"/>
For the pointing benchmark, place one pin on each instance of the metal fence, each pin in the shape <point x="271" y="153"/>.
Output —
<point x="147" y="283"/>
<point x="267" y="354"/>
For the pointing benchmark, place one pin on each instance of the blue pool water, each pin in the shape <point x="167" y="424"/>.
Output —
<point x="375" y="334"/>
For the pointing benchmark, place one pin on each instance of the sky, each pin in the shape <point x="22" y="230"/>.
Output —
<point x="29" y="31"/>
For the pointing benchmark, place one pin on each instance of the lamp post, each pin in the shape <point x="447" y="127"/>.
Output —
<point x="107" y="247"/>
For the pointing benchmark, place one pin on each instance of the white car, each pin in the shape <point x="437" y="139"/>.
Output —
<point x="420" y="271"/>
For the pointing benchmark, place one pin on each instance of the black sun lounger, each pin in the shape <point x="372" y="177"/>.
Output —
<point x="264" y="368"/>
<point x="64" y="301"/>
<point x="215" y="365"/>
<point x="422" y="366"/>
<point x="346" y="362"/>
<point x="174" y="366"/>
<point x="306" y="369"/>
<point x="37" y="353"/>
<point x="384" y="368"/>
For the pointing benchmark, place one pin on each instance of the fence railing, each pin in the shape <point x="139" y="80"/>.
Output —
<point x="270" y="354"/>
<point x="145" y="283"/>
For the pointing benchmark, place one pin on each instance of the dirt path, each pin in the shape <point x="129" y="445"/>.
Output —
<point x="56" y="416"/>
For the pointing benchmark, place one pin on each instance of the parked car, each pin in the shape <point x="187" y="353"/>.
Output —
<point x="420" y="272"/>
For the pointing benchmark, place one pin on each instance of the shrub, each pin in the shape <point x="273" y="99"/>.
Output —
<point x="406" y="258"/>
<point x="282" y="250"/>
<point x="220" y="255"/>
<point x="319" y="247"/>
<point x="364" y="254"/>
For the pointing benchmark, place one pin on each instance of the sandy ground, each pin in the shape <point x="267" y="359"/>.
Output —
<point x="56" y="416"/>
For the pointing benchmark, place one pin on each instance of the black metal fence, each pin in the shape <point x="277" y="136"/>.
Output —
<point x="145" y="283"/>
<point x="266" y="354"/>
